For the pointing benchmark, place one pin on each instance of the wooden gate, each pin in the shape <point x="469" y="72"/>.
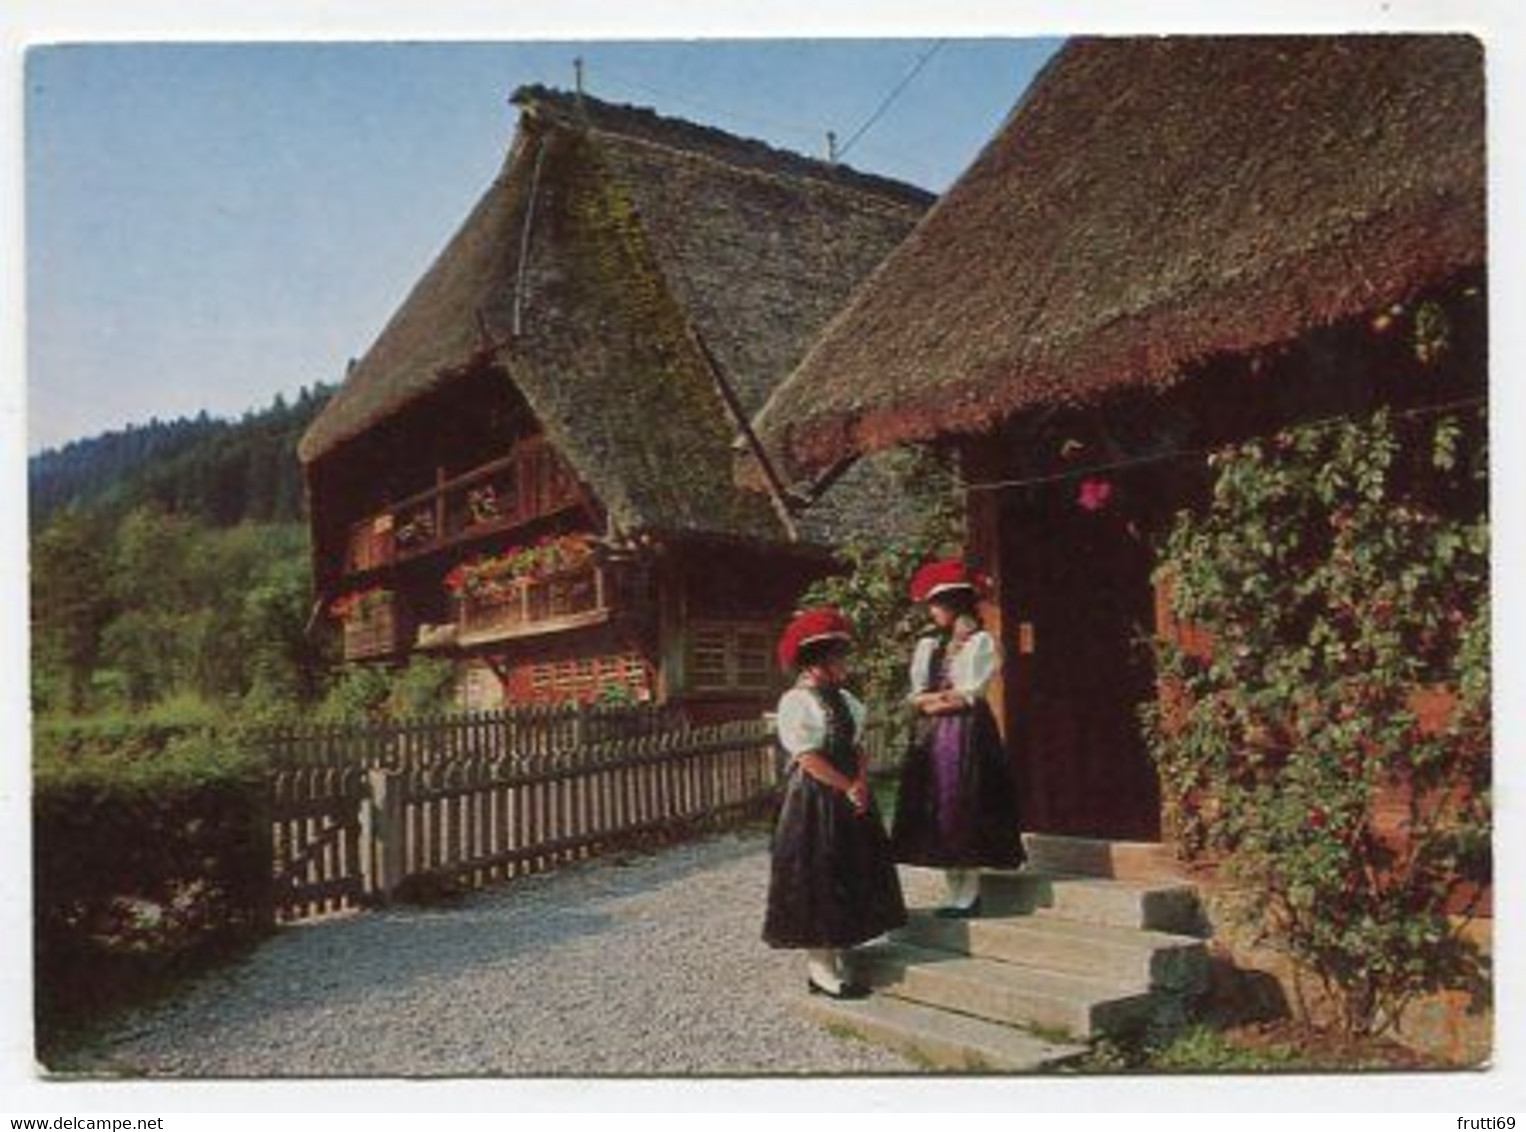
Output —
<point x="316" y="815"/>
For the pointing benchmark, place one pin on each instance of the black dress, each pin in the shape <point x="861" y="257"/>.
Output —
<point x="832" y="883"/>
<point x="957" y="804"/>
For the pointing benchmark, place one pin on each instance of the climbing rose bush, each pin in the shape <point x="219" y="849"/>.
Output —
<point x="1339" y="577"/>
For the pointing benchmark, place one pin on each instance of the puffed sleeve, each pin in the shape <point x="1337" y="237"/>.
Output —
<point x="921" y="663"/>
<point x="859" y="713"/>
<point x="976" y="663"/>
<point x="802" y="725"/>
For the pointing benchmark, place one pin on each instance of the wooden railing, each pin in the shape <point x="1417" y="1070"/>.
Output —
<point x="352" y="835"/>
<point x="528" y="484"/>
<point x="567" y="600"/>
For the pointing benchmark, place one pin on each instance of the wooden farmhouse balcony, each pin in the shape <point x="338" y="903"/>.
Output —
<point x="528" y="484"/>
<point x="569" y="599"/>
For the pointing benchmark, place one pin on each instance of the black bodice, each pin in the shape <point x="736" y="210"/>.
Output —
<point x="839" y="747"/>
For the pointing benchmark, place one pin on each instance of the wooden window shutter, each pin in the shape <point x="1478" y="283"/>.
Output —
<point x="754" y="659"/>
<point x="725" y="656"/>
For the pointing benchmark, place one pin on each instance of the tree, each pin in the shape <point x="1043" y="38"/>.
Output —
<point x="71" y="604"/>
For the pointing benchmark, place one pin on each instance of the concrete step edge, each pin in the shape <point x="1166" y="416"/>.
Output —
<point x="1038" y="981"/>
<point x="946" y="1039"/>
<point x="1083" y="881"/>
<point x="1108" y="954"/>
<point x="1075" y="1018"/>
<point x="1043" y="922"/>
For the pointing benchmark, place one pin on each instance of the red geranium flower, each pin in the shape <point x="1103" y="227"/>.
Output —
<point x="1094" y="494"/>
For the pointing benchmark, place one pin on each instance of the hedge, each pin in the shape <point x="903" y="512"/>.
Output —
<point x="142" y="868"/>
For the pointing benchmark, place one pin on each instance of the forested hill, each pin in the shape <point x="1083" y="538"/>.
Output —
<point x="218" y="471"/>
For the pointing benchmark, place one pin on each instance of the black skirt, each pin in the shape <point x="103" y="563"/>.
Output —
<point x="957" y="804"/>
<point x="833" y="883"/>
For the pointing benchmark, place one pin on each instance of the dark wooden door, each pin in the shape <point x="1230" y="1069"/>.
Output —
<point x="1077" y="611"/>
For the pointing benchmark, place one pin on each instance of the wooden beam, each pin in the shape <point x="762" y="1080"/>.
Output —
<point x="784" y="503"/>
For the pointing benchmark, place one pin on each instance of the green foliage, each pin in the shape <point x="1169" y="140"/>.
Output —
<point x="359" y="691"/>
<point x="1341" y="574"/>
<point x="1197" y="1049"/>
<point x="424" y="687"/>
<point x="143" y="866"/>
<point x="167" y="560"/>
<point x="153" y="606"/>
<point x="213" y="471"/>
<point x="1202" y="1049"/>
<point x="873" y="586"/>
<point x="70" y="608"/>
<point x="367" y="691"/>
<point x="63" y="741"/>
<point x="614" y="695"/>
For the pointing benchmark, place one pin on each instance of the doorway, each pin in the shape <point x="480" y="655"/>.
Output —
<point x="1079" y="609"/>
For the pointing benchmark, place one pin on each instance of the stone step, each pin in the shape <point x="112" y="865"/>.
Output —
<point x="939" y="1038"/>
<point x="1077" y="1006"/>
<point x="1127" y="956"/>
<point x="1162" y="906"/>
<point x="1100" y="857"/>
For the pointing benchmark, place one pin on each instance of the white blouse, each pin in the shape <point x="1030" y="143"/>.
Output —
<point x="803" y="722"/>
<point x="970" y="668"/>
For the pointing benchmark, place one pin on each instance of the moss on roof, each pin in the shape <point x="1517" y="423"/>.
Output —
<point x="1149" y="205"/>
<point x="646" y="231"/>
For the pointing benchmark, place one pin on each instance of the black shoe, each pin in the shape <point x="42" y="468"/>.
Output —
<point x="966" y="913"/>
<point x="845" y="992"/>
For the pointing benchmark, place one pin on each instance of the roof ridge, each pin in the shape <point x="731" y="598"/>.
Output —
<point x="866" y="201"/>
<point x="643" y="123"/>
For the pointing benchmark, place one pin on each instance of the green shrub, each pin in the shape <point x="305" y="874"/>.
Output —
<point x="58" y="740"/>
<point x="360" y="691"/>
<point x="142" y="867"/>
<point x="424" y="687"/>
<point x="1337" y="571"/>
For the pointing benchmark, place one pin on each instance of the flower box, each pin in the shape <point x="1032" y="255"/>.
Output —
<point x="565" y="599"/>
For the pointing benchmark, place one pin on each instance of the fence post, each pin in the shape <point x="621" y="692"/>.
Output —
<point x="382" y="831"/>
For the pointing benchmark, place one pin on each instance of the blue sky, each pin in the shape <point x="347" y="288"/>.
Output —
<point x="209" y="225"/>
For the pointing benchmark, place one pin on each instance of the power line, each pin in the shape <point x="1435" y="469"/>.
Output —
<point x="621" y="78"/>
<point x="1199" y="453"/>
<point x="699" y="104"/>
<point x="895" y="91"/>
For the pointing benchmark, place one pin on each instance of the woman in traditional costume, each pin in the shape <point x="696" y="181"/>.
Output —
<point x="957" y="805"/>
<point x="833" y="884"/>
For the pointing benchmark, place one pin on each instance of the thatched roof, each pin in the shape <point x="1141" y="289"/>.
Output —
<point x="1149" y="205"/>
<point x="646" y="232"/>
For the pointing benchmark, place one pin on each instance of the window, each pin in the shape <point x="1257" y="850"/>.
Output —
<point x="731" y="657"/>
<point x="586" y="677"/>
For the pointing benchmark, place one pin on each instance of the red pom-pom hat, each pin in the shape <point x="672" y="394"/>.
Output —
<point x="813" y="625"/>
<point x="942" y="575"/>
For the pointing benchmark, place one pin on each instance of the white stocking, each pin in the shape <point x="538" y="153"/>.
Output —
<point x="822" y="964"/>
<point x="963" y="886"/>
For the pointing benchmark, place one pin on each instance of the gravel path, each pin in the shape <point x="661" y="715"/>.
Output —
<point x="647" y="965"/>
